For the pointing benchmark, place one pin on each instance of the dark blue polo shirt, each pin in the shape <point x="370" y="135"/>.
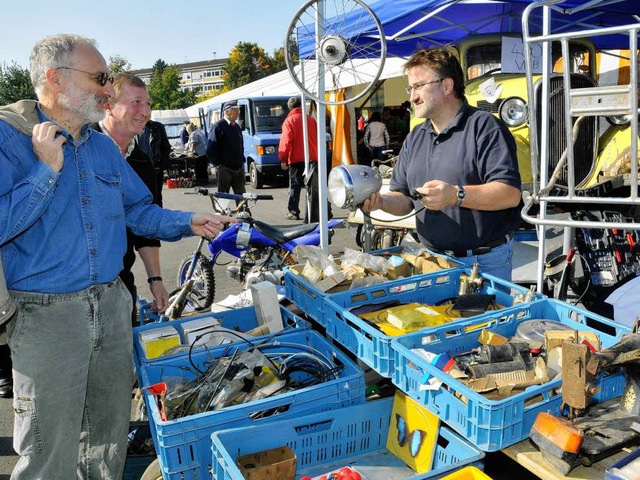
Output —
<point x="476" y="148"/>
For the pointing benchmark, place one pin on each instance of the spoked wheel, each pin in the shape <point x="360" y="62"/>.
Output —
<point x="349" y="46"/>
<point x="152" y="472"/>
<point x="203" y="289"/>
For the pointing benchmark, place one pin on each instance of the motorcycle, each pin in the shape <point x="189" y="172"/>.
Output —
<point x="261" y="251"/>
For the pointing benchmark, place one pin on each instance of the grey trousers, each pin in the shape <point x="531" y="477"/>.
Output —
<point x="73" y="374"/>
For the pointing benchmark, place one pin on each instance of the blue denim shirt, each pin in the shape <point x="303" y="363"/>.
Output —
<point x="62" y="232"/>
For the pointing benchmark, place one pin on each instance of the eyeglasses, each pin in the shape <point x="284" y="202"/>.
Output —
<point x="419" y="85"/>
<point x="102" y="78"/>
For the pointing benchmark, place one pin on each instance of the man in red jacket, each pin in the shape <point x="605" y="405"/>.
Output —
<point x="291" y="153"/>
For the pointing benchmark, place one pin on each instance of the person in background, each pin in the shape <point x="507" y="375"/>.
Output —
<point x="197" y="145"/>
<point x="462" y="163"/>
<point x="184" y="134"/>
<point x="225" y="150"/>
<point x="127" y="114"/>
<point x="291" y="153"/>
<point x="376" y="137"/>
<point x="67" y="197"/>
<point x="153" y="141"/>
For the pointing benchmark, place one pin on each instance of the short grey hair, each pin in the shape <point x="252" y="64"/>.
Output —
<point x="294" y="102"/>
<point x="53" y="52"/>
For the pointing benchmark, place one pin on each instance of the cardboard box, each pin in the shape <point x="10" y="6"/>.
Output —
<point x="198" y="332"/>
<point x="156" y="341"/>
<point x="267" y="306"/>
<point x="274" y="464"/>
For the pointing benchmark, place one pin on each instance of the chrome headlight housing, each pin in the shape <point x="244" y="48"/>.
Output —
<point x="270" y="150"/>
<point x="350" y="185"/>
<point x="619" y="120"/>
<point x="513" y="111"/>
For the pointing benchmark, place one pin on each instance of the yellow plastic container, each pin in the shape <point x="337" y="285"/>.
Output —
<point x="467" y="473"/>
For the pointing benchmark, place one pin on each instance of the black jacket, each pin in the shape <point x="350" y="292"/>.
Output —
<point x="154" y="142"/>
<point x="225" y="145"/>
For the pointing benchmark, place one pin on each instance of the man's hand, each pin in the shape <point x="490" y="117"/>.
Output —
<point x="374" y="202"/>
<point x="208" y="225"/>
<point x="437" y="194"/>
<point x="160" y="296"/>
<point x="47" y="144"/>
<point x="284" y="165"/>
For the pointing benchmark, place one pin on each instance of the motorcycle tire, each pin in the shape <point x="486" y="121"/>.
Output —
<point x="204" y="287"/>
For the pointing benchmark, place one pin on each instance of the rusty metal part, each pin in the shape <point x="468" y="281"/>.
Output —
<point x="577" y="388"/>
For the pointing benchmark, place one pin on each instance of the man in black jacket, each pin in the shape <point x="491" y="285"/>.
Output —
<point x="225" y="150"/>
<point x="154" y="142"/>
<point x="127" y="115"/>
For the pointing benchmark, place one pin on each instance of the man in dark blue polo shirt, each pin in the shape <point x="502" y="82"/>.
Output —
<point x="462" y="163"/>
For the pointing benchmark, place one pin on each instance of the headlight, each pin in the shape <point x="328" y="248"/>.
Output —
<point x="268" y="150"/>
<point x="271" y="150"/>
<point x="513" y="111"/>
<point x="350" y="185"/>
<point x="619" y="120"/>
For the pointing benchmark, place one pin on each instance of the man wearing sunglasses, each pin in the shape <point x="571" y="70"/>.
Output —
<point x="458" y="170"/>
<point x="67" y="196"/>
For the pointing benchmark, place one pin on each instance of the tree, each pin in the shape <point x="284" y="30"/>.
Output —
<point x="247" y="62"/>
<point x="15" y="84"/>
<point x="119" y="64"/>
<point x="165" y="91"/>
<point x="278" y="62"/>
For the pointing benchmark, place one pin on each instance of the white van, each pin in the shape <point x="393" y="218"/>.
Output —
<point x="173" y="121"/>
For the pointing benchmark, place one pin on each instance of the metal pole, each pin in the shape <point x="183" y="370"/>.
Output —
<point x="322" y="136"/>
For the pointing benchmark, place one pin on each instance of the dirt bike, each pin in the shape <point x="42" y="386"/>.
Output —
<point x="261" y="252"/>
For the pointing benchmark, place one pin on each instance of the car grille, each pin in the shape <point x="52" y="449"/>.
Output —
<point x="490" y="107"/>
<point x="584" y="148"/>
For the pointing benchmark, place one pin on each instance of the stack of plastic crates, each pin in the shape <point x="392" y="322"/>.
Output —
<point x="183" y="445"/>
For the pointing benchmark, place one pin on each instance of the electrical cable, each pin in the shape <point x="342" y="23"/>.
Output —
<point x="395" y="219"/>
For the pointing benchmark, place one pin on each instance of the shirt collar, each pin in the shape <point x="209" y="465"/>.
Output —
<point x="130" y="147"/>
<point x="455" y="124"/>
<point x="85" y="131"/>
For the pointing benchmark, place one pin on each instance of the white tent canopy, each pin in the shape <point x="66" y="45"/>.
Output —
<point x="281" y="83"/>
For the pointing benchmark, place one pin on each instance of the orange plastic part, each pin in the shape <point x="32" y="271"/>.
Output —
<point x="559" y="432"/>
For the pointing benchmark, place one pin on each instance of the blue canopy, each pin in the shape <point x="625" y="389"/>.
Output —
<point x="410" y="23"/>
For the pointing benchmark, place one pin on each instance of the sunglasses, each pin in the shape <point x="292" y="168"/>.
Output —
<point x="102" y="78"/>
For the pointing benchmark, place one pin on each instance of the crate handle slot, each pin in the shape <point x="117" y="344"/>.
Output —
<point x="311" y="428"/>
<point x="270" y="412"/>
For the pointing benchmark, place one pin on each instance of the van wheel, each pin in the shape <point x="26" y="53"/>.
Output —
<point x="255" y="177"/>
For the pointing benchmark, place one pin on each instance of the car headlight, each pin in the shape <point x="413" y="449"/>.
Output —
<point x="619" y="120"/>
<point x="513" y="111"/>
<point x="271" y="150"/>
<point x="350" y="185"/>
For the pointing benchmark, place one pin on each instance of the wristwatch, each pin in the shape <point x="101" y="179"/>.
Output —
<point x="461" y="196"/>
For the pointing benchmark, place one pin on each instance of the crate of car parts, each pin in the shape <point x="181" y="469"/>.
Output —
<point x="365" y="321"/>
<point x="309" y="296"/>
<point x="500" y="416"/>
<point x="353" y="437"/>
<point x="250" y="382"/>
<point x="208" y="329"/>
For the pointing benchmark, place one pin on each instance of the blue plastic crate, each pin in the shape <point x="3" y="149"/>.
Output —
<point x="184" y="445"/>
<point x="495" y="424"/>
<point x="616" y="471"/>
<point x="241" y="320"/>
<point x="323" y="442"/>
<point x="373" y="346"/>
<point x="312" y="301"/>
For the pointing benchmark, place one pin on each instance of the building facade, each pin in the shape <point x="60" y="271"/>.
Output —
<point x="205" y="75"/>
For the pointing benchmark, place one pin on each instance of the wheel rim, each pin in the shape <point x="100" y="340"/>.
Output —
<point x="352" y="32"/>
<point x="197" y="293"/>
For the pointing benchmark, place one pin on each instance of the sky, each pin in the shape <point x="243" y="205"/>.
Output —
<point x="144" y="31"/>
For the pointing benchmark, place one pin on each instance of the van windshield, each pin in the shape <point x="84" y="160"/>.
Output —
<point x="269" y="115"/>
<point x="173" y="129"/>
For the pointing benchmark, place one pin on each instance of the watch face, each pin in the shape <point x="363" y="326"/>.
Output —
<point x="461" y="194"/>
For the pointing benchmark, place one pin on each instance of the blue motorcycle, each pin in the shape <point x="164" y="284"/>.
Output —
<point x="261" y="251"/>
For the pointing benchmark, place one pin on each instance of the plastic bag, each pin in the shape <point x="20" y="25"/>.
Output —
<point x="370" y="262"/>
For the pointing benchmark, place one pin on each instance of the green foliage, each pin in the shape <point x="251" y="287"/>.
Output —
<point x="247" y="62"/>
<point x="278" y="62"/>
<point x="164" y="88"/>
<point x="119" y="64"/>
<point x="15" y="84"/>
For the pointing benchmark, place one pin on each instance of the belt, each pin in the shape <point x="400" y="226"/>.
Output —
<point x="480" y="250"/>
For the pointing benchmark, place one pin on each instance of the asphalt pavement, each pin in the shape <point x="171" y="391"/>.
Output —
<point x="498" y="466"/>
